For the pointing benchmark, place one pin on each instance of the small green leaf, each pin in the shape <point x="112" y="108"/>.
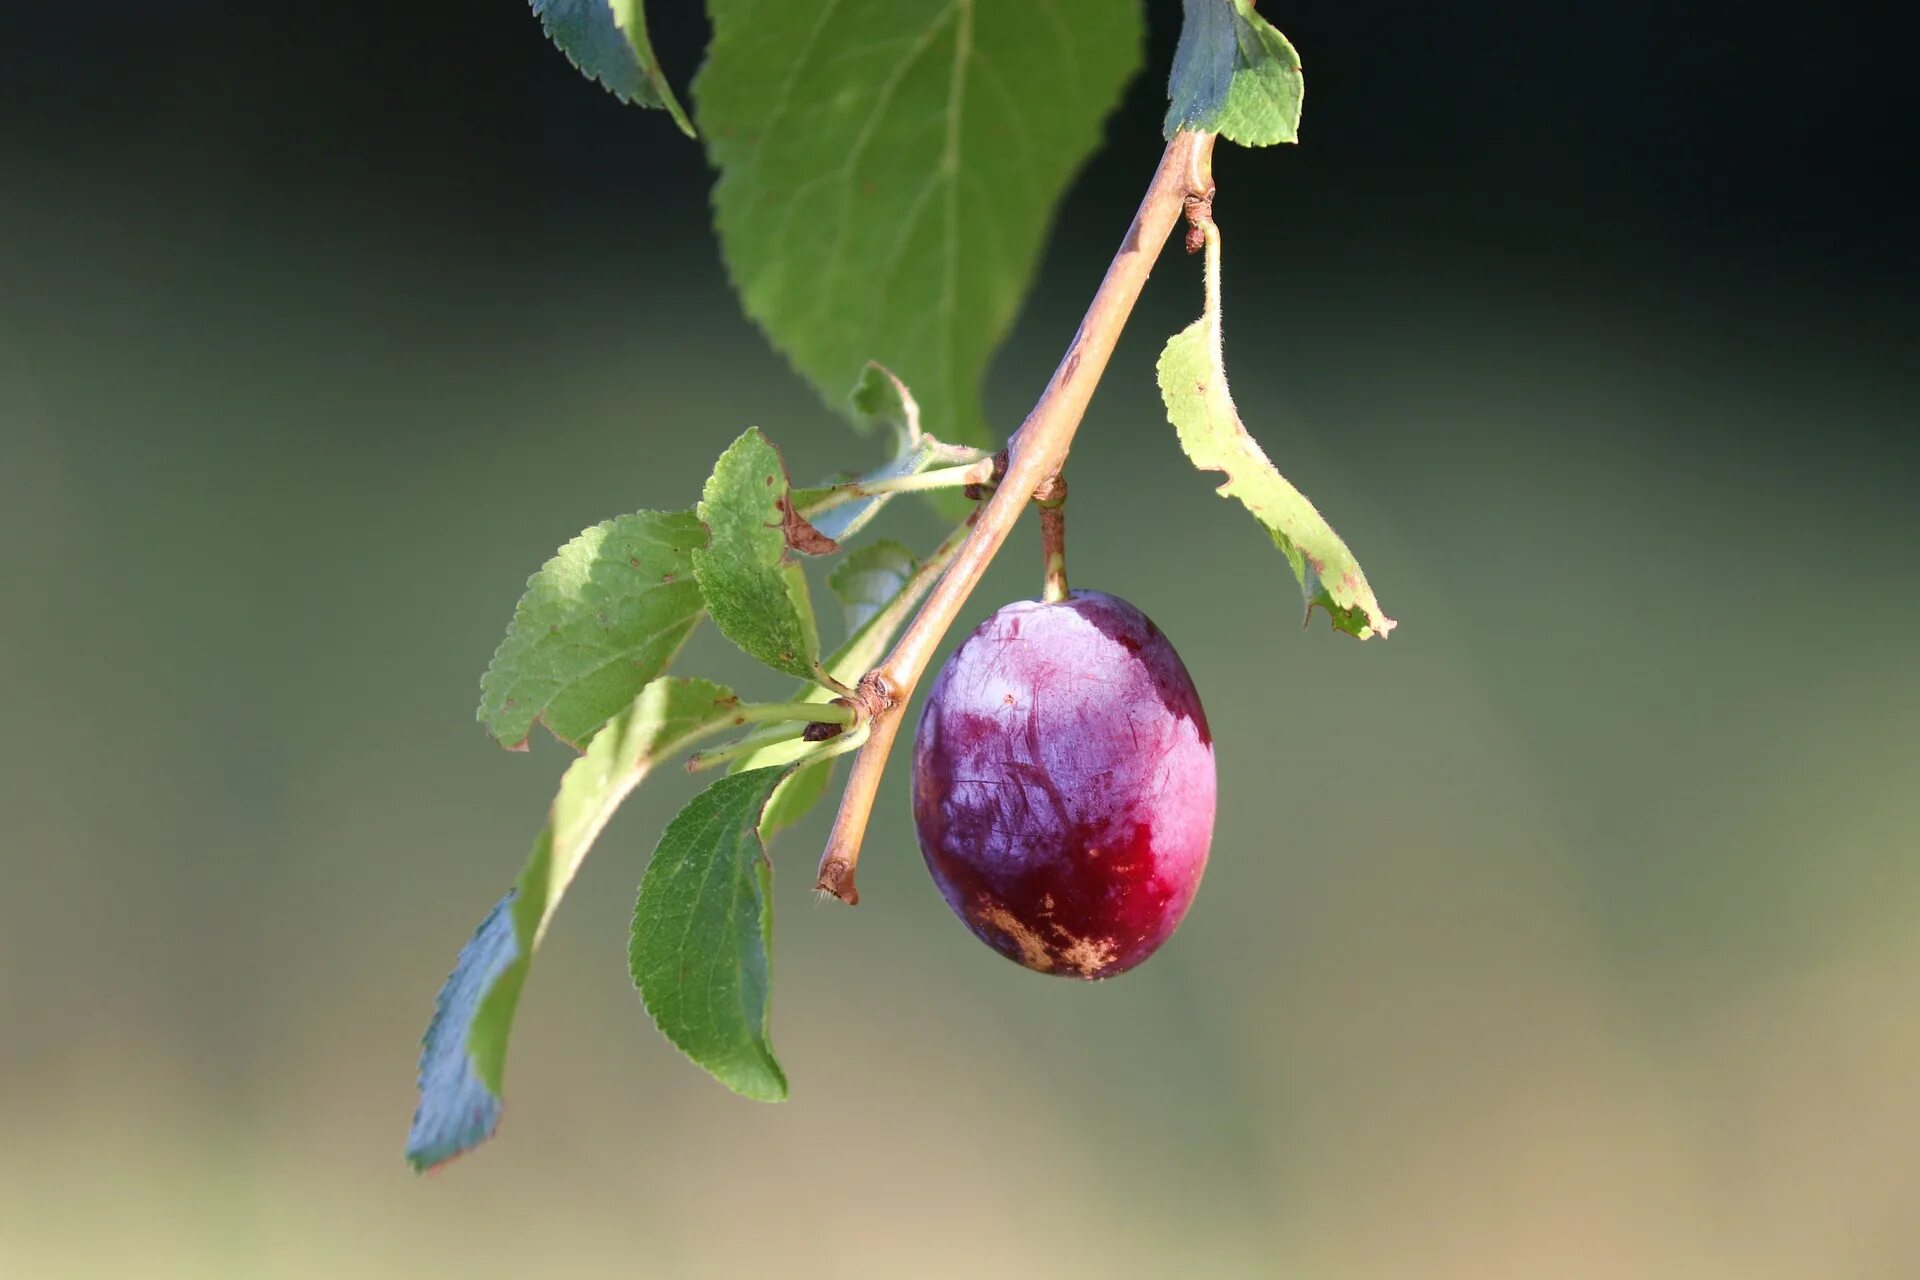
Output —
<point x="756" y="592"/>
<point x="889" y="168"/>
<point x="1234" y="75"/>
<point x="701" y="950"/>
<point x="464" y="1062"/>
<point x="868" y="579"/>
<point x="597" y="622"/>
<point x="879" y="399"/>
<point x="1193" y="383"/>
<point x="606" y="40"/>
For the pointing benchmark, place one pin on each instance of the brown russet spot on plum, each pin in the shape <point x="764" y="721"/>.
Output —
<point x="1089" y="957"/>
<point x="1063" y="785"/>
<point x="1033" y="951"/>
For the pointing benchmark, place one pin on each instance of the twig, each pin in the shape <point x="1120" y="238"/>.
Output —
<point x="1038" y="451"/>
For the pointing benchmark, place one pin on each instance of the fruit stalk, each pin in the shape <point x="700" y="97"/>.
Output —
<point x="1038" y="450"/>
<point x="1051" y="498"/>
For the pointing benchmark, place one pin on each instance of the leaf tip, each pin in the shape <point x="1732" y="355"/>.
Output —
<point x="458" y="1110"/>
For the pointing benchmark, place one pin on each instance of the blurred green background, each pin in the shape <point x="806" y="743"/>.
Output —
<point x="1572" y="932"/>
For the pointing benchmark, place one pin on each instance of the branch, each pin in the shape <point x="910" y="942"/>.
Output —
<point x="1037" y="452"/>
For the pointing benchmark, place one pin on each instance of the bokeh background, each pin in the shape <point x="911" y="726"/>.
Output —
<point x="1572" y="932"/>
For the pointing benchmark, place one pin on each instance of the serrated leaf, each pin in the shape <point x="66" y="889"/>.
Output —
<point x="701" y="949"/>
<point x="869" y="578"/>
<point x="862" y="651"/>
<point x="606" y="41"/>
<point x="463" y="1064"/>
<point x="1193" y="384"/>
<point x="889" y="168"/>
<point x="597" y="622"/>
<point x="1234" y="75"/>
<point x="457" y="1110"/>
<point x="756" y="592"/>
<point x="667" y="718"/>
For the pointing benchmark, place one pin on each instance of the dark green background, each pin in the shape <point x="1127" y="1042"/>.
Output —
<point x="1572" y="932"/>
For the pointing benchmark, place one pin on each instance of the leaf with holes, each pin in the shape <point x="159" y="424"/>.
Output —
<point x="1193" y="384"/>
<point x="597" y="622"/>
<point x="701" y="948"/>
<point x="1234" y="75"/>
<point x="889" y="168"/>
<point x="464" y="1061"/>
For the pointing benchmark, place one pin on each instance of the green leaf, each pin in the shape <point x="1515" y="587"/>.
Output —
<point x="1193" y="383"/>
<point x="868" y="579"/>
<point x="606" y="40"/>
<point x="880" y="399"/>
<point x="703" y="935"/>
<point x="795" y="797"/>
<point x="1234" y="75"/>
<point x="862" y="651"/>
<point x="597" y="622"/>
<point x="457" y="1110"/>
<point x="889" y="169"/>
<point x="756" y="592"/>
<point x="464" y="1061"/>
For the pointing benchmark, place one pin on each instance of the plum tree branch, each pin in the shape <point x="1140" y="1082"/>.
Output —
<point x="1037" y="452"/>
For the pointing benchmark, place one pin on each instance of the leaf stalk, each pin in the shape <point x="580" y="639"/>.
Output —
<point x="976" y="472"/>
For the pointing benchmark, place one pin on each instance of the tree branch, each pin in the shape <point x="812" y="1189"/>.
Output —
<point x="1037" y="452"/>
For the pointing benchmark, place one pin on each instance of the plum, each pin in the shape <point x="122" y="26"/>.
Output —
<point x="1063" y="785"/>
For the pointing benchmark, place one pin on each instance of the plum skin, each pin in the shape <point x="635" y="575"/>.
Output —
<point x="1064" y="787"/>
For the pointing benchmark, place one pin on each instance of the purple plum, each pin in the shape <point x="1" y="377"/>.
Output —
<point x="1063" y="785"/>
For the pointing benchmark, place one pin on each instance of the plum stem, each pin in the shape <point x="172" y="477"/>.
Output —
<point x="1051" y="498"/>
<point x="1037" y="452"/>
